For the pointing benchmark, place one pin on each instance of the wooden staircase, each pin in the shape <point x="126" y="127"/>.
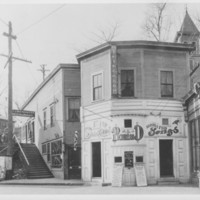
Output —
<point x="37" y="167"/>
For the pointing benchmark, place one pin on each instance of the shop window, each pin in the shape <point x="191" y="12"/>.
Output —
<point x="165" y="121"/>
<point x="139" y="159"/>
<point x="166" y="81"/>
<point x="44" y="149"/>
<point x="56" y="152"/>
<point x="127" y="83"/>
<point x="97" y="87"/>
<point x="52" y="115"/>
<point x="127" y="123"/>
<point x="74" y="109"/>
<point x="45" y="119"/>
<point x="118" y="159"/>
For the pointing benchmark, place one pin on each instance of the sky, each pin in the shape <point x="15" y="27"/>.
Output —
<point x="52" y="33"/>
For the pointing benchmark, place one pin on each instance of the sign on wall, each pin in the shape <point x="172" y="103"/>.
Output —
<point x="135" y="133"/>
<point x="23" y="113"/>
<point x="154" y="129"/>
<point x="97" y="128"/>
<point x="114" y="70"/>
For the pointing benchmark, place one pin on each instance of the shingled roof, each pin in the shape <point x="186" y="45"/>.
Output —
<point x="188" y="27"/>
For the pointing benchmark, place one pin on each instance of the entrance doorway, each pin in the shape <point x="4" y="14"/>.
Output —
<point x="74" y="163"/>
<point x="166" y="158"/>
<point x="96" y="159"/>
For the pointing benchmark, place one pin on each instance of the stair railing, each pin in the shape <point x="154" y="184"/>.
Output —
<point x="3" y="149"/>
<point x="21" y="149"/>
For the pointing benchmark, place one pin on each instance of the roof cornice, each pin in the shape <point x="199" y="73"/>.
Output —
<point x="137" y="44"/>
<point x="49" y="77"/>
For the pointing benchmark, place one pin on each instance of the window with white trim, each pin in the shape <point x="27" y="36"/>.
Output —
<point x="166" y="82"/>
<point x="45" y="119"/>
<point x="97" y="86"/>
<point x="44" y="148"/>
<point x="52" y="115"/>
<point x="127" y="83"/>
<point x="74" y="109"/>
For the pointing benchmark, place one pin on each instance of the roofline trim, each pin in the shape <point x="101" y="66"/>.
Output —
<point x="137" y="43"/>
<point x="53" y="73"/>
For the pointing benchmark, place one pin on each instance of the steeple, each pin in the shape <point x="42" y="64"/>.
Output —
<point x="188" y="31"/>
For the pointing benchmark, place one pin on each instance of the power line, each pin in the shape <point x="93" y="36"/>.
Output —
<point x="3" y="22"/>
<point x="43" y="18"/>
<point x="20" y="50"/>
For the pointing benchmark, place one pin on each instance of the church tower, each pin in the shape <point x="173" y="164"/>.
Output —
<point x="190" y="34"/>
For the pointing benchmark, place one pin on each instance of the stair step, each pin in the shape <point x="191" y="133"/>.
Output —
<point x="38" y="177"/>
<point x="39" y="172"/>
<point x="168" y="181"/>
<point x="38" y="167"/>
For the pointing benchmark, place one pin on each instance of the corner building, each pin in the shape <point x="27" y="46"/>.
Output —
<point x="132" y="112"/>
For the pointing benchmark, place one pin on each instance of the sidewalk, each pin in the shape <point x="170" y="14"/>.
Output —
<point x="48" y="181"/>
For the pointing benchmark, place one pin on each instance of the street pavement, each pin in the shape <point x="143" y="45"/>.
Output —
<point x="97" y="189"/>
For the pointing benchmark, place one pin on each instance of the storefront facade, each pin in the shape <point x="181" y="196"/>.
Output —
<point x="132" y="113"/>
<point x="192" y="103"/>
<point x="158" y="142"/>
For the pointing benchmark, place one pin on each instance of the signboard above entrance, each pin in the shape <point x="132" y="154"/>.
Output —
<point x="23" y="113"/>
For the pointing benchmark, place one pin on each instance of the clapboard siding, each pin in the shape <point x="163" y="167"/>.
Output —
<point x="45" y="97"/>
<point x="71" y="82"/>
<point x="154" y="61"/>
<point x="131" y="58"/>
<point x="92" y="65"/>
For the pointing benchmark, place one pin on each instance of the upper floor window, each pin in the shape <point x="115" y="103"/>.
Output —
<point x="45" y="119"/>
<point x="166" y="82"/>
<point x="52" y="113"/>
<point x="97" y="86"/>
<point x="127" y="83"/>
<point x="74" y="109"/>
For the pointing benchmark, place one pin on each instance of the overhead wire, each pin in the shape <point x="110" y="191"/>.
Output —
<point x="43" y="18"/>
<point x="1" y="20"/>
<point x="20" y="50"/>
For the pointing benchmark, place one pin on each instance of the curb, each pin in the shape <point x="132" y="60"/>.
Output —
<point x="56" y="184"/>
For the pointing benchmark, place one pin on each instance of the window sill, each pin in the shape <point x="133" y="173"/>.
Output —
<point x="73" y="121"/>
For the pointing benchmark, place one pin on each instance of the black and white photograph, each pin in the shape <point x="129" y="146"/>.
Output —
<point x="100" y="99"/>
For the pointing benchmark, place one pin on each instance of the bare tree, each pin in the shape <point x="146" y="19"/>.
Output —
<point x="106" y="34"/>
<point x="157" y="24"/>
<point x="99" y="36"/>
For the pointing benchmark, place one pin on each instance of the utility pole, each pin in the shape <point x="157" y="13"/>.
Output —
<point x="43" y="70"/>
<point x="10" y="119"/>
<point x="10" y="99"/>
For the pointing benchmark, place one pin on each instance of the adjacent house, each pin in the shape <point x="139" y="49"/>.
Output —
<point x="190" y="34"/>
<point x="132" y="112"/>
<point x="56" y="128"/>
